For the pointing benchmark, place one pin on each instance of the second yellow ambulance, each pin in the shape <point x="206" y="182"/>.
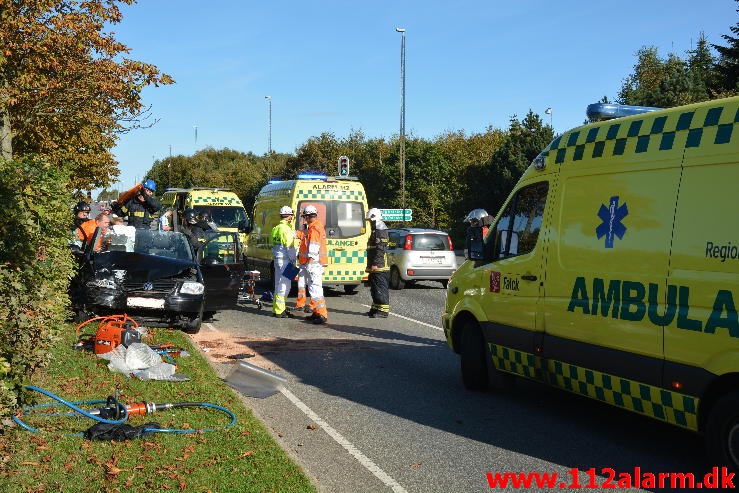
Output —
<point x="341" y="204"/>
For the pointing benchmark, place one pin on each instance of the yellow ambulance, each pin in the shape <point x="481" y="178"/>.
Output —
<point x="341" y="204"/>
<point x="612" y="271"/>
<point x="225" y="206"/>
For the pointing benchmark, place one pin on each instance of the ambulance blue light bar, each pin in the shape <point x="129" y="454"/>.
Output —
<point x="608" y="111"/>
<point x="310" y="176"/>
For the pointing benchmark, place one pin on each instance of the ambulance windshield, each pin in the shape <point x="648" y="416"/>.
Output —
<point x="342" y="219"/>
<point x="223" y="216"/>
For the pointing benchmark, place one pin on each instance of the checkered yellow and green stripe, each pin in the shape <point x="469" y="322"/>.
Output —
<point x="342" y="275"/>
<point x="517" y="362"/>
<point x="210" y="200"/>
<point x="659" y="403"/>
<point x="345" y="265"/>
<point x="348" y="257"/>
<point x="696" y="126"/>
<point x="330" y="194"/>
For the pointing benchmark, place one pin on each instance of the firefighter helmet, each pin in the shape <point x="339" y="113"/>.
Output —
<point x="149" y="184"/>
<point x="286" y="211"/>
<point x="475" y="216"/>
<point x="81" y="206"/>
<point x="310" y="210"/>
<point x="190" y="216"/>
<point x="374" y="214"/>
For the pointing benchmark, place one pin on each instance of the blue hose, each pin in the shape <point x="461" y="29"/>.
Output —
<point x="123" y="410"/>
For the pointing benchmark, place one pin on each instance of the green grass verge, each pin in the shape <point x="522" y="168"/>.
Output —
<point x="242" y="458"/>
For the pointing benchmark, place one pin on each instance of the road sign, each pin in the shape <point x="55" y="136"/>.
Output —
<point x="397" y="214"/>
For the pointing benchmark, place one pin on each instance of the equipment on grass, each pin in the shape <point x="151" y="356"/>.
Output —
<point x="113" y="331"/>
<point x="111" y="417"/>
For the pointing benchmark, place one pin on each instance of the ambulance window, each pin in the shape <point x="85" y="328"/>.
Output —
<point x="342" y="219"/>
<point x="518" y="229"/>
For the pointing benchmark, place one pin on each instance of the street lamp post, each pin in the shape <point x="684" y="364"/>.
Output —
<point x="269" y="135"/>
<point x="402" y="118"/>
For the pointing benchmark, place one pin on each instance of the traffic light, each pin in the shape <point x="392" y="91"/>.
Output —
<point x="343" y="166"/>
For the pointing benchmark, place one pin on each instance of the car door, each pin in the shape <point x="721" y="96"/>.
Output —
<point x="222" y="266"/>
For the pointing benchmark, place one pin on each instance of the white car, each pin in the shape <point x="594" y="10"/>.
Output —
<point x="419" y="254"/>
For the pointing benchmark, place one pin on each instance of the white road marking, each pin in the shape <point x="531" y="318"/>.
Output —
<point x="346" y="444"/>
<point x="412" y="320"/>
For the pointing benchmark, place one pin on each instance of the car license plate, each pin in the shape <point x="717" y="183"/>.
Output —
<point x="136" y="302"/>
<point x="432" y="260"/>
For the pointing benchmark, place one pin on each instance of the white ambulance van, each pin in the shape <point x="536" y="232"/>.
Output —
<point x="341" y="204"/>
<point x="612" y="271"/>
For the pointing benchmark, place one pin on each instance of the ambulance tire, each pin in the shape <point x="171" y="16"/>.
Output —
<point x="473" y="358"/>
<point x="722" y="432"/>
<point x="396" y="282"/>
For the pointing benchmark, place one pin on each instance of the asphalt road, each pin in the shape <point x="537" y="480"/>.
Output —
<point x="378" y="405"/>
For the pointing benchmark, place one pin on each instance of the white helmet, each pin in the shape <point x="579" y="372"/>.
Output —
<point x="286" y="211"/>
<point x="374" y="214"/>
<point x="475" y="215"/>
<point x="310" y="211"/>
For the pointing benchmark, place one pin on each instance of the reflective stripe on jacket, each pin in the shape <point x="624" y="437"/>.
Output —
<point x="313" y="244"/>
<point x="377" y="248"/>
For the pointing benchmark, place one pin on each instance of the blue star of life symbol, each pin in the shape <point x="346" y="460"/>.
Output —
<point x="612" y="225"/>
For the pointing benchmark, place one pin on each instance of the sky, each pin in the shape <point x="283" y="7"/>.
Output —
<point x="334" y="66"/>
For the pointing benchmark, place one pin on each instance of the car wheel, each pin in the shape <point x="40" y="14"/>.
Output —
<point x="396" y="282"/>
<point x="722" y="432"/>
<point x="350" y="288"/>
<point x="474" y="357"/>
<point x="193" y="324"/>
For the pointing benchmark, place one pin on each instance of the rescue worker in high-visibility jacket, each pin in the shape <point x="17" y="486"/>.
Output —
<point x="301" y="301"/>
<point x="377" y="265"/>
<point x="314" y="257"/>
<point x="283" y="252"/>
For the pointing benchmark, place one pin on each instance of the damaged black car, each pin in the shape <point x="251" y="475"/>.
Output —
<point x="157" y="277"/>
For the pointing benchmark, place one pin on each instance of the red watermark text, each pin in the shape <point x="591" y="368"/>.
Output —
<point x="607" y="478"/>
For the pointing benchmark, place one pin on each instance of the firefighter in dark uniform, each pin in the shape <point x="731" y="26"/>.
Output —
<point x="377" y="265"/>
<point x="140" y="208"/>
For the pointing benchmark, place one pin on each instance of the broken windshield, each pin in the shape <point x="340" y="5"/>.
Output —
<point x="168" y="244"/>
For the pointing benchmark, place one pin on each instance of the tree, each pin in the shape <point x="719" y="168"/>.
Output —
<point x="497" y="177"/>
<point x="66" y="87"/>
<point x="727" y="67"/>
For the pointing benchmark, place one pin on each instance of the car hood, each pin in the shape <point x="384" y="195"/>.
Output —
<point x="141" y="267"/>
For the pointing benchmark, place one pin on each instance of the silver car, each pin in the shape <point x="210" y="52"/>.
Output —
<point x="419" y="254"/>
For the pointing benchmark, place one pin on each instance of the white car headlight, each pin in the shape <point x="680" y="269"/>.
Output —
<point x="191" y="287"/>
<point x="103" y="283"/>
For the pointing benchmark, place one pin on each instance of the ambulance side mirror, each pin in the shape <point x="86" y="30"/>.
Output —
<point x="245" y="226"/>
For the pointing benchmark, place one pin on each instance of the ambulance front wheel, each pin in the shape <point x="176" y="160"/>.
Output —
<point x="473" y="357"/>
<point x="722" y="432"/>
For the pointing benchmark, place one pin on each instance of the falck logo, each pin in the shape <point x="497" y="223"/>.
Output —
<point x="148" y="286"/>
<point x="612" y="225"/>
